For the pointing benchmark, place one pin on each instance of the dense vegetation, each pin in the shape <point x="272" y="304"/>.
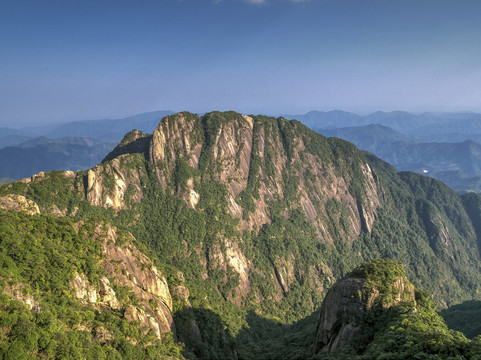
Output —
<point x="289" y="265"/>
<point x="465" y="317"/>
<point x="39" y="256"/>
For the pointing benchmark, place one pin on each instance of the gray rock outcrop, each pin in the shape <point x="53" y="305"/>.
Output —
<point x="346" y="305"/>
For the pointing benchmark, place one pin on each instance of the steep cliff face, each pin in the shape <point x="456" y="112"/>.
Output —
<point x="268" y="168"/>
<point x="116" y="182"/>
<point x="262" y="160"/>
<point x="125" y="267"/>
<point x="341" y="316"/>
<point x="348" y="302"/>
<point x="175" y="137"/>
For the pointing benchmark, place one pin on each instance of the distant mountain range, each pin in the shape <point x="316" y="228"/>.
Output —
<point x="76" y="145"/>
<point x="428" y="127"/>
<point x="11" y="140"/>
<point x="444" y="146"/>
<point x="43" y="154"/>
<point x="111" y="130"/>
<point x="457" y="164"/>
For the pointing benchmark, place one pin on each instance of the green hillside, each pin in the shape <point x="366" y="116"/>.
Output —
<point x="41" y="316"/>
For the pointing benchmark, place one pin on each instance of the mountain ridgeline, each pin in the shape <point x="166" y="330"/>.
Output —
<point x="251" y="219"/>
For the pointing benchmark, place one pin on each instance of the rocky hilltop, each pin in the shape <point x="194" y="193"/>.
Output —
<point x="246" y="215"/>
<point x="378" y="285"/>
<point x="375" y="312"/>
<point x="249" y="164"/>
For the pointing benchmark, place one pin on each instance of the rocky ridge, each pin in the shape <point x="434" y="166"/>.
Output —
<point x="260" y="161"/>
<point x="243" y="151"/>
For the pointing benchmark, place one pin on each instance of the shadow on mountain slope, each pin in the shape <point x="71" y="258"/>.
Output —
<point x="206" y="336"/>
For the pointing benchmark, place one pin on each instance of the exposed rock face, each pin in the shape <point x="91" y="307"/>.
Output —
<point x="234" y="258"/>
<point x="83" y="289"/>
<point x="241" y="151"/>
<point x="34" y="177"/>
<point x="155" y="320"/>
<point x="190" y="196"/>
<point x="237" y="260"/>
<point x="175" y="137"/>
<point x="130" y="268"/>
<point x="107" y="184"/>
<point x="16" y="292"/>
<point x="133" y="269"/>
<point x="342" y="313"/>
<point x="371" y="201"/>
<point x="345" y="306"/>
<point x="108" y="295"/>
<point x="19" y="203"/>
<point x="284" y="271"/>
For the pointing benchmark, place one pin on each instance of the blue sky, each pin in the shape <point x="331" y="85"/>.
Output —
<point x="81" y="59"/>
